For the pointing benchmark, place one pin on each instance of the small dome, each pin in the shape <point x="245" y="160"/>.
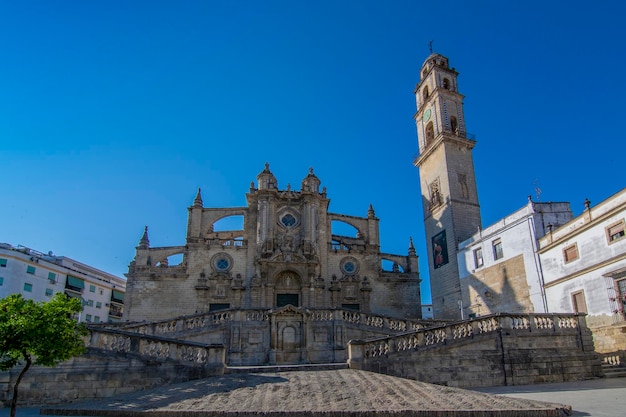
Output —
<point x="435" y="60"/>
<point x="267" y="180"/>
<point x="311" y="183"/>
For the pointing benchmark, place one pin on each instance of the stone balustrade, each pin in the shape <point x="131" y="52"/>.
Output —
<point x="558" y="345"/>
<point x="215" y="319"/>
<point x="441" y="335"/>
<point x="158" y="348"/>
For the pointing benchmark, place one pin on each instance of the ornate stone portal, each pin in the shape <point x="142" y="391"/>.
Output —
<point x="285" y="263"/>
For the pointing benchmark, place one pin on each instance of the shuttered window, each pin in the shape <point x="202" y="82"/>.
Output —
<point x="615" y="232"/>
<point x="570" y="253"/>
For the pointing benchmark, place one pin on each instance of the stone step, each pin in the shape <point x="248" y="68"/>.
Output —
<point x="614" y="371"/>
<point x="258" y="369"/>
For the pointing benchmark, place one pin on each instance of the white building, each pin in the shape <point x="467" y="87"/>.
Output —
<point x="38" y="276"/>
<point x="584" y="268"/>
<point x="427" y="312"/>
<point x="499" y="268"/>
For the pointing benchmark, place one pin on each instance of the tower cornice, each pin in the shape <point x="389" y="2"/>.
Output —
<point x="440" y="139"/>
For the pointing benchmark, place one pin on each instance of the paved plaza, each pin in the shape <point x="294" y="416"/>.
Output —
<point x="343" y="393"/>
<point x="597" y="397"/>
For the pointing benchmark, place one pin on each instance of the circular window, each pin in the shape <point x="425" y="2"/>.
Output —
<point x="349" y="266"/>
<point x="288" y="220"/>
<point x="222" y="262"/>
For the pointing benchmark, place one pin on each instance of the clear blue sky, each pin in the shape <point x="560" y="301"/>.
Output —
<point x="112" y="113"/>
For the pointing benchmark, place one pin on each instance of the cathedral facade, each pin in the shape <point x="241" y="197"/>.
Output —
<point x="285" y="257"/>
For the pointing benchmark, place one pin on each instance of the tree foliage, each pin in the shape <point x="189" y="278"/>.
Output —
<point x="38" y="333"/>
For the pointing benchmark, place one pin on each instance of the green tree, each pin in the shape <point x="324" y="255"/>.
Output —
<point x="38" y="334"/>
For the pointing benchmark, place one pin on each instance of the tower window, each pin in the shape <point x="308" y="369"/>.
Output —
<point x="430" y="133"/>
<point x="454" y="124"/>
<point x="426" y="93"/>
<point x="446" y="83"/>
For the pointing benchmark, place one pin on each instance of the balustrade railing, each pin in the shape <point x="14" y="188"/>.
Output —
<point x="157" y="348"/>
<point x="441" y="335"/>
<point x="224" y="317"/>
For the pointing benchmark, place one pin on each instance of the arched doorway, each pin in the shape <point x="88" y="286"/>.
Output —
<point x="287" y="289"/>
<point x="287" y="326"/>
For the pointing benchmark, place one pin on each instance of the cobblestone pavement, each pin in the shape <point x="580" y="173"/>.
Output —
<point x="330" y="393"/>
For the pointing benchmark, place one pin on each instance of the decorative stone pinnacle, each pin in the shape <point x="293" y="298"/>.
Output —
<point x="144" y="242"/>
<point x="587" y="203"/>
<point x="411" y="247"/>
<point x="370" y="212"/>
<point x="198" y="201"/>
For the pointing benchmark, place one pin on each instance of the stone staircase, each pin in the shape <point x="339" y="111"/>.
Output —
<point x="613" y="365"/>
<point x="610" y="371"/>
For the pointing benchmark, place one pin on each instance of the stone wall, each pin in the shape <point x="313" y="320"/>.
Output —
<point x="609" y="338"/>
<point x="502" y="287"/>
<point x="116" y="362"/>
<point x="489" y="351"/>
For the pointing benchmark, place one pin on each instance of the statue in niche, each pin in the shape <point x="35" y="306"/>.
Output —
<point x="288" y="280"/>
<point x="435" y="194"/>
<point x="288" y="243"/>
<point x="267" y="247"/>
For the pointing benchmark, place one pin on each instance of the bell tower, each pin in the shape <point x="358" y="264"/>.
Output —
<point x="447" y="181"/>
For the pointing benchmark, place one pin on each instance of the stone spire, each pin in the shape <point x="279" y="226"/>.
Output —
<point x="144" y="242"/>
<point x="370" y="212"/>
<point x="198" y="201"/>
<point x="412" y="251"/>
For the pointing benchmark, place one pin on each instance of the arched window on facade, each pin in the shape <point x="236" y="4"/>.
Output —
<point x="446" y="83"/>
<point x="425" y="95"/>
<point x="430" y="133"/>
<point x="454" y="124"/>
